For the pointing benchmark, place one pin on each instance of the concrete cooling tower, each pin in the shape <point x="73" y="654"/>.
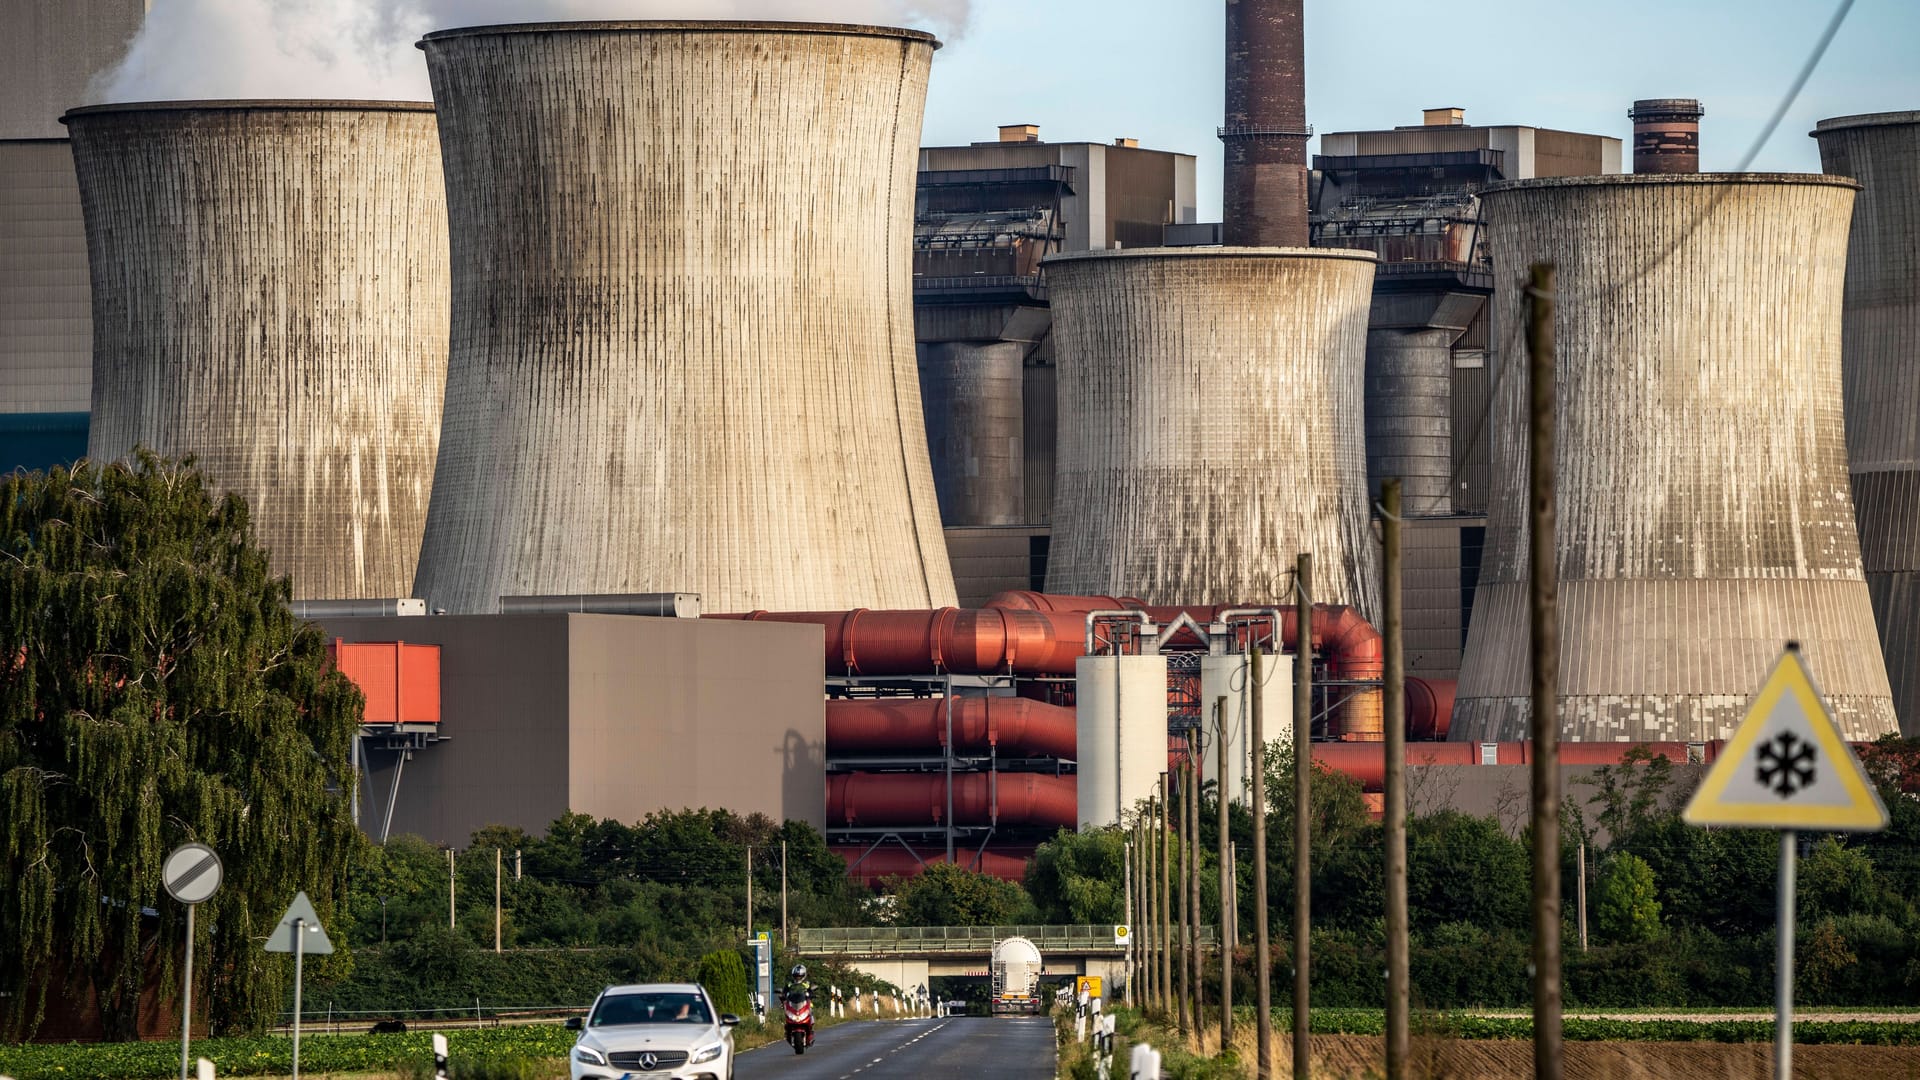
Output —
<point x="682" y="354"/>
<point x="1701" y="469"/>
<point x="270" y="296"/>
<point x="1211" y="424"/>
<point x="1880" y="367"/>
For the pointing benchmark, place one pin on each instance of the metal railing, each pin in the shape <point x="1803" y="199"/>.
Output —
<point x="957" y="940"/>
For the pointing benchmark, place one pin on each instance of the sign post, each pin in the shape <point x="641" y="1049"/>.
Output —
<point x="1788" y="768"/>
<point x="299" y="933"/>
<point x="191" y="874"/>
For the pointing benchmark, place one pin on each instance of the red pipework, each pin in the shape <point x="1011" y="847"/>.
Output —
<point x="1018" y="727"/>
<point x="1429" y="708"/>
<point x="892" y="860"/>
<point x="907" y="800"/>
<point x="1368" y="765"/>
<point x="955" y="640"/>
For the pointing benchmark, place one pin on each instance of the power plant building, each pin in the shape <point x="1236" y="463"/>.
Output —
<point x="270" y="296"/>
<point x="1704" y="510"/>
<point x="984" y="218"/>
<point x="682" y="353"/>
<point x="1880" y="375"/>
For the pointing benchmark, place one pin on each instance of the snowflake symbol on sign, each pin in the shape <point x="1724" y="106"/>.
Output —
<point x="1786" y="764"/>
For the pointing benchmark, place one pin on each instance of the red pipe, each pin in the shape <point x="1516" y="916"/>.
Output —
<point x="1368" y="765"/>
<point x="908" y="800"/>
<point x="1016" y="726"/>
<point x="963" y="642"/>
<point x="892" y="860"/>
<point x="1429" y="708"/>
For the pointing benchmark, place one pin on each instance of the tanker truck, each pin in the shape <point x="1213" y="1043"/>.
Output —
<point x="1016" y="977"/>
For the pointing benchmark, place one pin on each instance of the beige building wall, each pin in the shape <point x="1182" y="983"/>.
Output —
<point x="50" y="50"/>
<point x="46" y="321"/>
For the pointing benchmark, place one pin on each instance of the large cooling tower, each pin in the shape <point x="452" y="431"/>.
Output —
<point x="270" y="296"/>
<point x="1211" y="424"/>
<point x="1704" y="513"/>
<point x="1880" y="363"/>
<point x="683" y="353"/>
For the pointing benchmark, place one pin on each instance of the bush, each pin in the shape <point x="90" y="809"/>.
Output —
<point x="724" y="975"/>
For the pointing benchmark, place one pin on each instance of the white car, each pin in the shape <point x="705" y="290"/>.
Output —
<point x="659" y="1031"/>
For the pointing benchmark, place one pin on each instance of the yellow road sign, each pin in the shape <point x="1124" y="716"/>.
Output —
<point x="1787" y="766"/>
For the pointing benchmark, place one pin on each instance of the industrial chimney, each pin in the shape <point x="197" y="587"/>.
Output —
<point x="1266" y="129"/>
<point x="1666" y="135"/>
<point x="1704" y="511"/>
<point x="270" y="296"/>
<point x="1880" y="367"/>
<point x="682" y="355"/>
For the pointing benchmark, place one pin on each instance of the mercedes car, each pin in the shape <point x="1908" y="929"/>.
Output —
<point x="659" y="1031"/>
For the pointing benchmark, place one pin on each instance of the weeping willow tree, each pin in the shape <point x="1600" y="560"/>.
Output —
<point x="155" y="689"/>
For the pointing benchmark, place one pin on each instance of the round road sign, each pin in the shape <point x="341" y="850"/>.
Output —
<point x="192" y="873"/>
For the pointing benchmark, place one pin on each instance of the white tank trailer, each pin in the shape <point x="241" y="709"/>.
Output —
<point x="682" y="354"/>
<point x="270" y="295"/>
<point x="1880" y="375"/>
<point x="1211" y="424"/>
<point x="1016" y="977"/>
<point x="1701" y="470"/>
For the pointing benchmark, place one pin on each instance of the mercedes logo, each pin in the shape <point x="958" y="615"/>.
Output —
<point x="649" y="1061"/>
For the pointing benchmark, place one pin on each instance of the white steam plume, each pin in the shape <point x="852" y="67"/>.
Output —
<point x="194" y="49"/>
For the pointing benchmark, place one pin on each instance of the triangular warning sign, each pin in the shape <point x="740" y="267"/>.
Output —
<point x="1786" y="766"/>
<point x="314" y="938"/>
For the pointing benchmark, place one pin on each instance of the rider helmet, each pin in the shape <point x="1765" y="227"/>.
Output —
<point x="799" y="972"/>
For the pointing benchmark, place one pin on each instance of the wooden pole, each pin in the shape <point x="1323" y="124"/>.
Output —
<point x="1221" y="751"/>
<point x="450" y="922"/>
<point x="783" y="894"/>
<point x="1399" y="983"/>
<point x="1163" y="866"/>
<point x="496" y="901"/>
<point x="1262" y="954"/>
<point x="1183" y="841"/>
<point x="1580" y="887"/>
<point x="1133" y="923"/>
<point x="1193" y="884"/>
<point x="750" y="893"/>
<point x="1303" y="817"/>
<point x="1544" y="602"/>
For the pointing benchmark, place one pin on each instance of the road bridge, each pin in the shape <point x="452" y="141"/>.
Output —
<point x="907" y="956"/>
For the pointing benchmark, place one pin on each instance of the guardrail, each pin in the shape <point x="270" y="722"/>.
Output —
<point x="954" y="940"/>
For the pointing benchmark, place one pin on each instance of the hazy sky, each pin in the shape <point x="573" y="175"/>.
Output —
<point x="1092" y="70"/>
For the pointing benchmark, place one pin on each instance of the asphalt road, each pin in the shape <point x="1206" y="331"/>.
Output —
<point x="954" y="1048"/>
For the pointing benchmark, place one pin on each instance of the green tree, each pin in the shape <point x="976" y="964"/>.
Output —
<point x="948" y="895"/>
<point x="1628" y="906"/>
<point x="1079" y="878"/>
<point x="157" y="690"/>
<point x="1631" y="795"/>
<point x="724" y="975"/>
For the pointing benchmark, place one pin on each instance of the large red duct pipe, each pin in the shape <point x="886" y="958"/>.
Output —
<point x="1016" y="727"/>
<point x="892" y="860"/>
<point x="1369" y="766"/>
<point x="908" y="800"/>
<point x="963" y="642"/>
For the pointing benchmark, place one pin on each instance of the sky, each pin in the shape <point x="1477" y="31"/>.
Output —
<point x="1096" y="70"/>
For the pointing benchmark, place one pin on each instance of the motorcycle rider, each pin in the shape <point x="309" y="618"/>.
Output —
<point x="797" y="980"/>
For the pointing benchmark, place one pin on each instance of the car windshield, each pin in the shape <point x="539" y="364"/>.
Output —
<point x="663" y="1007"/>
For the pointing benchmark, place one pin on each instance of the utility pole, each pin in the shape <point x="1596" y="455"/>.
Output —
<point x="1133" y="923"/>
<point x="450" y="922"/>
<point x="1226" y="875"/>
<point x="1182" y="834"/>
<point x="749" y="893"/>
<point x="1580" y="885"/>
<point x="1399" y="984"/>
<point x="1193" y="883"/>
<point x="496" y="901"/>
<point x="1262" y="957"/>
<point x="516" y="864"/>
<point x="783" y="894"/>
<point x="1163" y="866"/>
<point x="1302" y="814"/>
<point x="1150" y="901"/>
<point x="1544" y="604"/>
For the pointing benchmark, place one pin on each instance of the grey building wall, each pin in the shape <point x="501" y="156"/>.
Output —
<point x="1211" y="424"/>
<point x="50" y="50"/>
<point x="683" y="354"/>
<point x="46" y="323"/>
<point x="270" y="295"/>
<point x="1880" y="366"/>
<point x="608" y="715"/>
<point x="1704" y="511"/>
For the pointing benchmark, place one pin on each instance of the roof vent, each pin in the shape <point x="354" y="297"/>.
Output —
<point x="1448" y="117"/>
<point x="1019" y="133"/>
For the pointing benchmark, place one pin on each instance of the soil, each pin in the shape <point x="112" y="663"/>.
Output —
<point x="1356" y="1056"/>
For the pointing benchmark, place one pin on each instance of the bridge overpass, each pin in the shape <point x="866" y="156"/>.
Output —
<point x="908" y="956"/>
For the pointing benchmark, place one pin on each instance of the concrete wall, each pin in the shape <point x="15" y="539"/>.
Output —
<point x="50" y="50"/>
<point x="609" y="715"/>
<point x="1119" y="191"/>
<point x="269" y="295"/>
<point x="1211" y="425"/>
<point x="1704" y="511"/>
<point x="46" y="323"/>
<point x="682" y="354"/>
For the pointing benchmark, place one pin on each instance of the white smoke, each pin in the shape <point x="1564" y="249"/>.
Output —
<point x="209" y="49"/>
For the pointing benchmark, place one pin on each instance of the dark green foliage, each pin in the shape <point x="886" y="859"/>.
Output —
<point x="1078" y="878"/>
<point x="468" y="1051"/>
<point x="724" y="975"/>
<point x="158" y="691"/>
<point x="948" y="895"/>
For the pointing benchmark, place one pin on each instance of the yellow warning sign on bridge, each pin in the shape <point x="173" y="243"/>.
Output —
<point x="1787" y="766"/>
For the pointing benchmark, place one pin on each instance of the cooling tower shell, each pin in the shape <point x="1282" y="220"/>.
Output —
<point x="682" y="353"/>
<point x="270" y="296"/>
<point x="1211" y="424"/>
<point x="1880" y="366"/>
<point x="1704" y="517"/>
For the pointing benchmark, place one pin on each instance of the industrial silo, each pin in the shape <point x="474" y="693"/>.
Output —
<point x="682" y="352"/>
<point x="1211" y="424"/>
<point x="270" y="296"/>
<point x="1880" y="373"/>
<point x="1704" y="517"/>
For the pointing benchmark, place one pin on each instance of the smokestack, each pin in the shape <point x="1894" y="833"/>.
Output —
<point x="1266" y="131"/>
<point x="1666" y="135"/>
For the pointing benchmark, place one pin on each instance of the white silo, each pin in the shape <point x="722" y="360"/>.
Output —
<point x="683" y="354"/>
<point x="1701" y="469"/>
<point x="270" y="295"/>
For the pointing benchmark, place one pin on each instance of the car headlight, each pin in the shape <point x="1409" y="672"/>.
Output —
<point x="706" y="1054"/>
<point x="587" y="1055"/>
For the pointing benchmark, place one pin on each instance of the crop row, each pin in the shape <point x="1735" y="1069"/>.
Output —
<point x="273" y="1055"/>
<point x="1373" y="1022"/>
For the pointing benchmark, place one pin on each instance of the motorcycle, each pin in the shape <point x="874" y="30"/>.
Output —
<point x="799" y="1005"/>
